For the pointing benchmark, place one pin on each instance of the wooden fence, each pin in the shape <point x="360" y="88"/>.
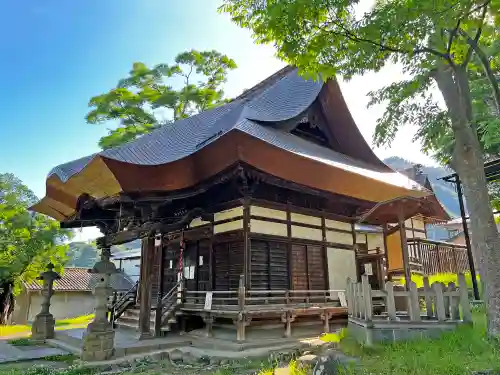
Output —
<point x="432" y="257"/>
<point x="442" y="303"/>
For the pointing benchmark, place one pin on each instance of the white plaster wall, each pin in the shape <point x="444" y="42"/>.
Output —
<point x="341" y="265"/>
<point x="307" y="233"/>
<point x="267" y="212"/>
<point x="376" y="240"/>
<point x="418" y="224"/>
<point x="338" y="225"/>
<point x="266" y="227"/>
<point x="419" y="235"/>
<point x="226" y="227"/>
<point x="299" y="218"/>
<point x="228" y="214"/>
<point x="360" y="238"/>
<point x="339" y="237"/>
<point x="64" y="305"/>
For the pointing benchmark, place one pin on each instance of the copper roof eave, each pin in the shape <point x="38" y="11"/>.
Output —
<point x="233" y="147"/>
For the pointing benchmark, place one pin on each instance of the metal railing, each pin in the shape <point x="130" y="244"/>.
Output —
<point x="122" y="303"/>
<point x="167" y="306"/>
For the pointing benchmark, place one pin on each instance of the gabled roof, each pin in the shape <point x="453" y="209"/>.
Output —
<point x="437" y="210"/>
<point x="249" y="129"/>
<point x="78" y="279"/>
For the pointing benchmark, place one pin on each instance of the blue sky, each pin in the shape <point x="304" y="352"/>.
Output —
<point x="57" y="54"/>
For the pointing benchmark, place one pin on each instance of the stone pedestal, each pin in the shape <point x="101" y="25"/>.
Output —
<point x="43" y="326"/>
<point x="98" y="340"/>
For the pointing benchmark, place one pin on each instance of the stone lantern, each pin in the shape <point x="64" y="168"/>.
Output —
<point x="43" y="326"/>
<point x="98" y="340"/>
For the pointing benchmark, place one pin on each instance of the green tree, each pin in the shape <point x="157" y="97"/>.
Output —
<point x="28" y="242"/>
<point x="438" y="44"/>
<point x="138" y="101"/>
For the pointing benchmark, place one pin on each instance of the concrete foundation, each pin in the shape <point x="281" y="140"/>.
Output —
<point x="369" y="333"/>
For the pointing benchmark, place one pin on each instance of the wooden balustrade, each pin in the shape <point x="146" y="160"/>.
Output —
<point x="243" y="305"/>
<point x="432" y="257"/>
<point x="442" y="303"/>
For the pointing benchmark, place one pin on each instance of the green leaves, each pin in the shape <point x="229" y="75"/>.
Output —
<point x="136" y="101"/>
<point x="329" y="37"/>
<point x="28" y="242"/>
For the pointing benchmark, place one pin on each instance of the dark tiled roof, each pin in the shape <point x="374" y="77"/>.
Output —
<point x="257" y="112"/>
<point x="78" y="279"/>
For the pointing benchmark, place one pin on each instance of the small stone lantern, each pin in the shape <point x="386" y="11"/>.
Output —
<point x="98" y="340"/>
<point x="43" y="326"/>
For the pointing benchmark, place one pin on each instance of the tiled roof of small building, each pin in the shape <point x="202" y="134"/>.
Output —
<point x="78" y="279"/>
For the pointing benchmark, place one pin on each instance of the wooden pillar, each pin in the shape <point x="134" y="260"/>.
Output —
<point x="386" y="251"/>
<point x="160" y="251"/>
<point x="325" y="253"/>
<point x="404" y="247"/>
<point x="289" y="245"/>
<point x="211" y="259"/>
<point x="247" y="268"/>
<point x="148" y="258"/>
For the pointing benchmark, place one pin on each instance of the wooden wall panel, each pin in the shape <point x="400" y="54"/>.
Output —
<point x="279" y="265"/>
<point x="203" y="269"/>
<point x="170" y="269"/>
<point x="260" y="270"/>
<point x="228" y="259"/>
<point x="236" y="262"/>
<point x="316" y="267"/>
<point x="299" y="267"/>
<point x="269" y="268"/>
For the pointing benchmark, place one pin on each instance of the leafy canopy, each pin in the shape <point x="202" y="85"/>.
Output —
<point x="139" y="101"/>
<point x="328" y="37"/>
<point x="28" y="242"/>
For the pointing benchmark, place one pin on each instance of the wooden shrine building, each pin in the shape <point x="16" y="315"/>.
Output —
<point x="254" y="203"/>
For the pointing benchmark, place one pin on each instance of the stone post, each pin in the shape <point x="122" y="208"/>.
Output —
<point x="43" y="326"/>
<point x="98" y="340"/>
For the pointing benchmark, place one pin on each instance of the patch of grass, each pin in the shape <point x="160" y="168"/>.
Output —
<point x="22" y="342"/>
<point x="85" y="319"/>
<point x="455" y="353"/>
<point x="12" y="330"/>
<point x="333" y="337"/>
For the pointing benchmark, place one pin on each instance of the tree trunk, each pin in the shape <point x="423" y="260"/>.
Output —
<point x="6" y="302"/>
<point x="468" y="162"/>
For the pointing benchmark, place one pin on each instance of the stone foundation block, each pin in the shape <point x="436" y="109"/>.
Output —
<point x="98" y="346"/>
<point x="43" y="327"/>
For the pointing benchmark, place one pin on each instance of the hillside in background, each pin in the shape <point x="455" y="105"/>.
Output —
<point x="445" y="191"/>
<point x="85" y="254"/>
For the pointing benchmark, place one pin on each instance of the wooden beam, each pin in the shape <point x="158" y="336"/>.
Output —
<point x="147" y="228"/>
